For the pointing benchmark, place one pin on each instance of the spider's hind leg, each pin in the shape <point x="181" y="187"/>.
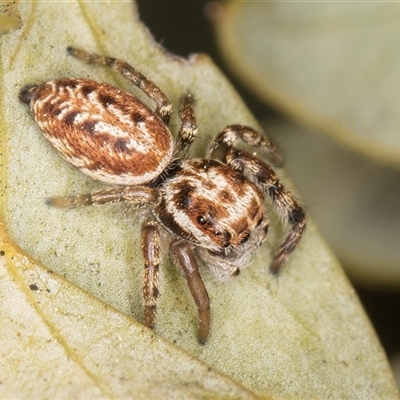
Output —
<point x="164" y="107"/>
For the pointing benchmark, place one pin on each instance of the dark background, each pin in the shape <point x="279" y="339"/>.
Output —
<point x="182" y="28"/>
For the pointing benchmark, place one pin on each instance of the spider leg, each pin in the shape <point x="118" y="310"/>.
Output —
<point x="230" y="134"/>
<point x="151" y="257"/>
<point x="188" y="130"/>
<point x="138" y="196"/>
<point x="287" y="206"/>
<point x="164" y="107"/>
<point x="183" y="255"/>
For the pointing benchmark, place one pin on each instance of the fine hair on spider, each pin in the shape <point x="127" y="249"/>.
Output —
<point x="212" y="207"/>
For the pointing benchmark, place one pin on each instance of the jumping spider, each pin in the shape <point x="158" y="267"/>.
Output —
<point x="212" y="207"/>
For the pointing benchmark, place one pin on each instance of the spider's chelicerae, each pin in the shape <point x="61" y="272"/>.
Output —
<point x="212" y="207"/>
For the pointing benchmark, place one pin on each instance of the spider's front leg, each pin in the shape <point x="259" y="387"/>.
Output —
<point x="287" y="206"/>
<point x="183" y="255"/>
<point x="230" y="134"/>
<point x="188" y="129"/>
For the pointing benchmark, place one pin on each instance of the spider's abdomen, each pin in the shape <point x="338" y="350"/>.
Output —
<point x="105" y="132"/>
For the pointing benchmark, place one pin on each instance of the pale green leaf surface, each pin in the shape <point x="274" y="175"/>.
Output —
<point x="57" y="341"/>
<point x="9" y="16"/>
<point x="303" y="335"/>
<point x="333" y="65"/>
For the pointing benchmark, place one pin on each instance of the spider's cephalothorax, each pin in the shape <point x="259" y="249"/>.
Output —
<point x="212" y="207"/>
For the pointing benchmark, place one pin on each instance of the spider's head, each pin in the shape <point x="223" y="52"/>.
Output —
<point x="210" y="204"/>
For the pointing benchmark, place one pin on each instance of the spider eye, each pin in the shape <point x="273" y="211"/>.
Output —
<point x="245" y="238"/>
<point x="201" y="220"/>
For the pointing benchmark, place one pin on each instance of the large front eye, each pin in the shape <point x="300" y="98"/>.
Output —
<point x="201" y="220"/>
<point x="245" y="238"/>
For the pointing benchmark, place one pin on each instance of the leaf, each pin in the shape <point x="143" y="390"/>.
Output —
<point x="333" y="67"/>
<point x="58" y="341"/>
<point x="302" y="335"/>
<point x="9" y="16"/>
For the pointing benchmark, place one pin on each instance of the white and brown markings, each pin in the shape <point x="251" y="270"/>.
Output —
<point x="105" y="132"/>
<point x="212" y="207"/>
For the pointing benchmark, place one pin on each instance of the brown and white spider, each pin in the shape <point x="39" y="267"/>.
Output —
<point x="212" y="207"/>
